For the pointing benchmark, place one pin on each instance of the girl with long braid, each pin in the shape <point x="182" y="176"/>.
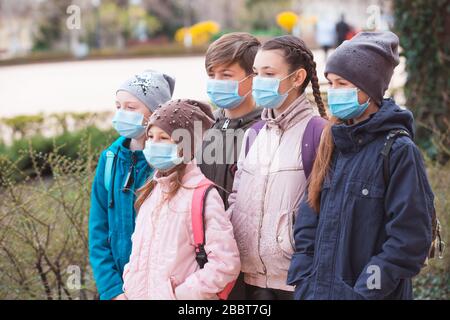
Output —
<point x="274" y="165"/>
<point x="365" y="225"/>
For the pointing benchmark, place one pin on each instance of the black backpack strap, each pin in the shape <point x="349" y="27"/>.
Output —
<point x="390" y="139"/>
<point x="200" y="254"/>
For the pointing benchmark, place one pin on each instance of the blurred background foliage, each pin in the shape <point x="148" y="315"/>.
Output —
<point x="425" y="42"/>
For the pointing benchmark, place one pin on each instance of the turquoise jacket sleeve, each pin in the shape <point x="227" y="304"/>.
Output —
<point x="107" y="277"/>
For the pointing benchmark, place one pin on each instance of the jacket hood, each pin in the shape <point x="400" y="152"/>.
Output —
<point x="390" y="116"/>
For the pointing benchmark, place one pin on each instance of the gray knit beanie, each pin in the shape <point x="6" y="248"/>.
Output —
<point x="368" y="61"/>
<point x="152" y="88"/>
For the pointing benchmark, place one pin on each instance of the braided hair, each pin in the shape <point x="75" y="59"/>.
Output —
<point x="297" y="55"/>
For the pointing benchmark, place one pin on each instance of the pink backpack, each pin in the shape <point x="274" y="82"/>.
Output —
<point x="198" y="228"/>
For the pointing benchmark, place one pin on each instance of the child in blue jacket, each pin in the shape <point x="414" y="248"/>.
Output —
<point x="121" y="170"/>
<point x="364" y="229"/>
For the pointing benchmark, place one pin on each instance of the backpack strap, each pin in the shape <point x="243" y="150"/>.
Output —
<point x="111" y="153"/>
<point x="223" y="295"/>
<point x="311" y="141"/>
<point x="198" y="220"/>
<point x="198" y="229"/>
<point x="253" y="133"/>
<point x="108" y="169"/>
<point x="390" y="139"/>
<point x="437" y="243"/>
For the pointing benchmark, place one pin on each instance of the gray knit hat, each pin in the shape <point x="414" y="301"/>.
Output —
<point x="368" y="61"/>
<point x="152" y="88"/>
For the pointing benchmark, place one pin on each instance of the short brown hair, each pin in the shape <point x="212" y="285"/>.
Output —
<point x="240" y="47"/>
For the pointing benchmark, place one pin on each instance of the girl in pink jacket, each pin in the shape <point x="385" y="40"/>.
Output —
<point x="163" y="258"/>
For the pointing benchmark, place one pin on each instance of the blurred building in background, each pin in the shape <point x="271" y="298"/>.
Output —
<point x="16" y="27"/>
<point x="41" y="25"/>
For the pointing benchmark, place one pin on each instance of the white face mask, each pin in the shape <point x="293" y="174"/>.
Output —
<point x="343" y="103"/>
<point x="162" y="156"/>
<point x="129" y="124"/>
<point x="266" y="91"/>
<point x="224" y="93"/>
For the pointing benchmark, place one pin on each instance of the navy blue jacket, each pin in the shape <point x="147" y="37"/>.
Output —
<point x="369" y="239"/>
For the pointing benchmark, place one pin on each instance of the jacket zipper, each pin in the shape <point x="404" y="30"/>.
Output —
<point x="338" y="234"/>
<point x="130" y="174"/>
<point x="261" y="220"/>
<point x="225" y="124"/>
<point x="133" y="160"/>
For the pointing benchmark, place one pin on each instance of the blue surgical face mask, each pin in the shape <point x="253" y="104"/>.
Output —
<point x="265" y="92"/>
<point x="224" y="93"/>
<point x="344" y="103"/>
<point x="162" y="156"/>
<point x="129" y="124"/>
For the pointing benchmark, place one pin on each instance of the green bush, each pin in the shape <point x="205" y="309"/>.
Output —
<point x="434" y="281"/>
<point x="66" y="144"/>
<point x="43" y="225"/>
<point x="432" y="286"/>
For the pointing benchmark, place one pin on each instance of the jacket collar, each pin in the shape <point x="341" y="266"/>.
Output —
<point x="351" y="138"/>
<point x="168" y="181"/>
<point x="219" y="115"/>
<point x="298" y="110"/>
<point x="124" y="152"/>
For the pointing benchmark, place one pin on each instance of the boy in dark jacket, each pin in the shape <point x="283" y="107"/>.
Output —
<point x="229" y="64"/>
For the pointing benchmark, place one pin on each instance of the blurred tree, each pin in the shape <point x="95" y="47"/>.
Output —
<point x="114" y="23"/>
<point x="424" y="30"/>
<point x="170" y="15"/>
<point x="51" y="26"/>
<point x="16" y="25"/>
<point x="262" y="13"/>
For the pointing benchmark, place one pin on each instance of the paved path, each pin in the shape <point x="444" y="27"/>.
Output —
<point x="90" y="85"/>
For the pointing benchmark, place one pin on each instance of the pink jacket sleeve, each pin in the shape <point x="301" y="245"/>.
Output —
<point x="223" y="264"/>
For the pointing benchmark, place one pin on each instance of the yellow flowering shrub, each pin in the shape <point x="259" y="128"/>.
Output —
<point x="287" y="20"/>
<point x="200" y="33"/>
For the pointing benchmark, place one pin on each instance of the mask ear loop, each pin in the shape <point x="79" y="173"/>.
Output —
<point x="245" y="95"/>
<point x="290" y="74"/>
<point x="147" y="129"/>
<point x="368" y="100"/>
